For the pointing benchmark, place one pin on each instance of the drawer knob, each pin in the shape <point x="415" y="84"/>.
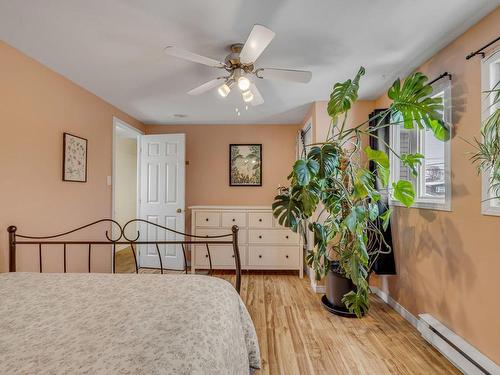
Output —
<point x="206" y="255"/>
<point x="232" y="256"/>
<point x="260" y="256"/>
<point x="286" y="236"/>
<point x="286" y="256"/>
<point x="206" y="219"/>
<point x="260" y="220"/>
<point x="260" y="236"/>
<point x="234" y="219"/>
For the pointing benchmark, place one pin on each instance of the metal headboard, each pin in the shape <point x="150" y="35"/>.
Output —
<point x="122" y="239"/>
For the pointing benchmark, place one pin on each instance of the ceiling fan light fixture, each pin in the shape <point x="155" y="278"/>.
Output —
<point x="243" y="83"/>
<point x="247" y="96"/>
<point x="224" y="90"/>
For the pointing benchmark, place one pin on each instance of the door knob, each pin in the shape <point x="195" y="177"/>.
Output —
<point x="179" y="210"/>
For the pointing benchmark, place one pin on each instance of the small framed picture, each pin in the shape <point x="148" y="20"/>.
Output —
<point x="74" y="158"/>
<point x="245" y="165"/>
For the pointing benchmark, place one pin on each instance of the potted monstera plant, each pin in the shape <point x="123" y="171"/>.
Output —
<point x="333" y="184"/>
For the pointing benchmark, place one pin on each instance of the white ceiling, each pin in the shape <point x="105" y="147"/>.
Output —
<point x="114" y="48"/>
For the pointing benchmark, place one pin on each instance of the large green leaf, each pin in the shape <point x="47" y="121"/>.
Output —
<point x="379" y="157"/>
<point x="404" y="192"/>
<point x="327" y="158"/>
<point x="344" y="94"/>
<point x="373" y="211"/>
<point x="305" y="170"/>
<point x="386" y="217"/>
<point x="320" y="235"/>
<point x="309" y="197"/>
<point x="384" y="175"/>
<point x="363" y="183"/>
<point x="413" y="104"/>
<point x="412" y="161"/>
<point x="381" y="160"/>
<point x="287" y="210"/>
<point x="357" y="215"/>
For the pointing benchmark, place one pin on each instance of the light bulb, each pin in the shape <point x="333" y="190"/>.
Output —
<point x="224" y="90"/>
<point x="247" y="96"/>
<point x="243" y="83"/>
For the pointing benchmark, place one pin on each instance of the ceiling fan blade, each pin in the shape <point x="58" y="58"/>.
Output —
<point x="190" y="56"/>
<point x="301" y="76"/>
<point x="257" y="97"/>
<point x="257" y="41"/>
<point x="206" y="86"/>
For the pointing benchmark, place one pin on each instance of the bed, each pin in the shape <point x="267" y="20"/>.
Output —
<point x="90" y="323"/>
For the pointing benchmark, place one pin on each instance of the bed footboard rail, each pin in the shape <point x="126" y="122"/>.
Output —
<point x="61" y="239"/>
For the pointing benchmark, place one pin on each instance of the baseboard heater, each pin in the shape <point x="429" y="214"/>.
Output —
<point x="463" y="355"/>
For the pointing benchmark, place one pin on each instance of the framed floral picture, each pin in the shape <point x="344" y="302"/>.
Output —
<point x="74" y="158"/>
<point x="245" y="165"/>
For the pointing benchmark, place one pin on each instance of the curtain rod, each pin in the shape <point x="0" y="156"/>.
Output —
<point x="445" y="74"/>
<point x="479" y="51"/>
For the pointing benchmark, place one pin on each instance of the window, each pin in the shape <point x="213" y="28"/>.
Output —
<point x="490" y="75"/>
<point x="433" y="183"/>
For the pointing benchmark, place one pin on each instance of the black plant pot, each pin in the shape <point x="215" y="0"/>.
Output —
<point x="337" y="286"/>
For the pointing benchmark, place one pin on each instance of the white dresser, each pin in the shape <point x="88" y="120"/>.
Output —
<point x="263" y="243"/>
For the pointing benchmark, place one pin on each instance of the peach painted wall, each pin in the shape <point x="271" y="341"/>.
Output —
<point x="448" y="262"/>
<point x="36" y="106"/>
<point x="207" y="150"/>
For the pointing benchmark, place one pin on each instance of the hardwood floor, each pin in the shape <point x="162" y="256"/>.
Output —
<point x="297" y="336"/>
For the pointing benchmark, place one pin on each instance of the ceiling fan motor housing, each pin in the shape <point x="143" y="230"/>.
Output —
<point x="233" y="59"/>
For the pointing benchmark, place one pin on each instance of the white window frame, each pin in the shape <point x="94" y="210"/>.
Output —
<point x="488" y="206"/>
<point x="443" y="204"/>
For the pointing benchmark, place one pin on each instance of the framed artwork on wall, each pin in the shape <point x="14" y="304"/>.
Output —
<point x="74" y="158"/>
<point x="245" y="165"/>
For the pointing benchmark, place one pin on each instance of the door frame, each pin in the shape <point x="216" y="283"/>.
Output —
<point x="118" y="123"/>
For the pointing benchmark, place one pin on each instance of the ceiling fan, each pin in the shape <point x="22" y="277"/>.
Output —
<point x="240" y="67"/>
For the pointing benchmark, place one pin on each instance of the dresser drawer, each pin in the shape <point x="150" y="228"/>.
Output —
<point x="207" y="219"/>
<point x="284" y="257"/>
<point x="260" y="219"/>
<point x="222" y="256"/>
<point x="242" y="234"/>
<point x="234" y="218"/>
<point x="272" y="236"/>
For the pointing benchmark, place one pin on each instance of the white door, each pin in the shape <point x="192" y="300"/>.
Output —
<point x="162" y="180"/>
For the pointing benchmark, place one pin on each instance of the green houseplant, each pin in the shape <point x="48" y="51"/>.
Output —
<point x="334" y="183"/>
<point x="487" y="149"/>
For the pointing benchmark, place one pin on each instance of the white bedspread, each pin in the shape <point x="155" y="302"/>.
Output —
<point x="123" y="324"/>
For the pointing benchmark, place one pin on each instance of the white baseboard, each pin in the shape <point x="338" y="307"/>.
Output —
<point x="459" y="352"/>
<point x="321" y="289"/>
<point x="463" y="355"/>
